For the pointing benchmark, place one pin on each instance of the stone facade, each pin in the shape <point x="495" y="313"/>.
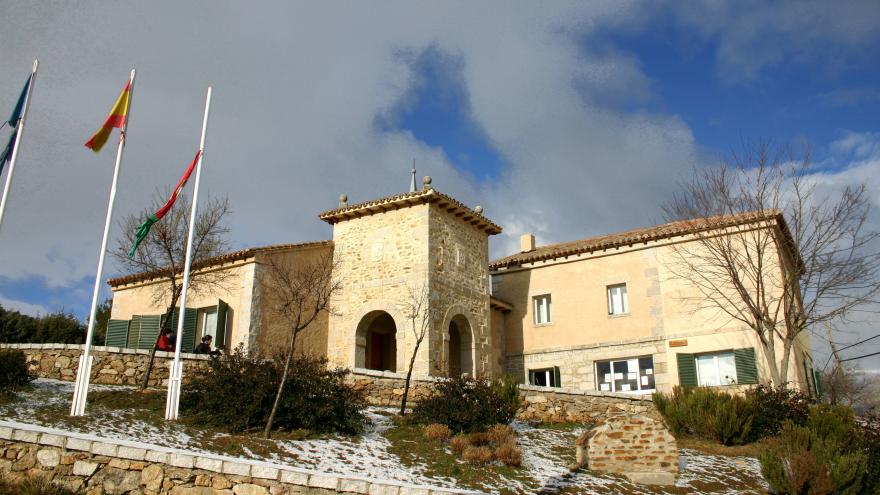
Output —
<point x="423" y="243"/>
<point x="638" y="447"/>
<point x="100" y="466"/>
<point x="111" y="366"/>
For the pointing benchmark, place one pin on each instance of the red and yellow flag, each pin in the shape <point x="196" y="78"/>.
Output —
<point x="117" y="117"/>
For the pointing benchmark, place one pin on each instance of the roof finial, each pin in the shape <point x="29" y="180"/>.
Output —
<point x="412" y="180"/>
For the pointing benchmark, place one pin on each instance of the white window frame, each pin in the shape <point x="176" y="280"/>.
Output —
<point x="549" y="377"/>
<point x="715" y="362"/>
<point x="624" y="299"/>
<point x="543" y="314"/>
<point x="613" y="383"/>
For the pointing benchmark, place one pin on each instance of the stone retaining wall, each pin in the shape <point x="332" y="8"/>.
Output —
<point x="542" y="404"/>
<point x="98" y="466"/>
<point x="115" y="366"/>
<point x="111" y="366"/>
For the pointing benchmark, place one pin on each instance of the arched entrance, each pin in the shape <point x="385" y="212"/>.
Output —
<point x="376" y="340"/>
<point x="461" y="347"/>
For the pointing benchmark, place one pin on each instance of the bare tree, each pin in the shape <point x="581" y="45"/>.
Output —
<point x="417" y="309"/>
<point x="772" y="251"/>
<point x="298" y="290"/>
<point x="162" y="253"/>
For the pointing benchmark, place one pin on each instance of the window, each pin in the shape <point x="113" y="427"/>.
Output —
<point x="547" y="377"/>
<point x="716" y="369"/>
<point x="618" y="303"/>
<point x="542" y="309"/>
<point x="626" y="375"/>
<point x="209" y="323"/>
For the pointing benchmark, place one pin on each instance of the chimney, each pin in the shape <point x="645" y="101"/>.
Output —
<point x="527" y="243"/>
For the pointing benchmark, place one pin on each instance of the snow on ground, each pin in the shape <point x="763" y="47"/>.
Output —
<point x="546" y="451"/>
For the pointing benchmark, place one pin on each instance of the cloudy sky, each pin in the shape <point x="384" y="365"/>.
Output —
<point x="565" y="120"/>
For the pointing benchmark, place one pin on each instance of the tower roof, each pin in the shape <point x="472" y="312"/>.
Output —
<point x="424" y="196"/>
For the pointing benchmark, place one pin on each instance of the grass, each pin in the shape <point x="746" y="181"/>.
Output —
<point x="714" y="448"/>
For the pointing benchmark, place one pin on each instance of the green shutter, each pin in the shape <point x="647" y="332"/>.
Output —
<point x="188" y="343"/>
<point x="531" y="377"/>
<point x="557" y="382"/>
<point x="149" y="331"/>
<point x="746" y="367"/>
<point x="817" y="379"/>
<point x="133" y="332"/>
<point x="687" y="370"/>
<point x="222" y="311"/>
<point x="117" y="333"/>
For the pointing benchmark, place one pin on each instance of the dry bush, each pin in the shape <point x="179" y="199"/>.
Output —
<point x="509" y="453"/>
<point x="480" y="439"/>
<point x="437" y="431"/>
<point x="458" y="443"/>
<point x="501" y="434"/>
<point x="478" y="455"/>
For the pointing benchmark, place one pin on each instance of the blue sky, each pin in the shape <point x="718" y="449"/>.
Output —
<point x="564" y="120"/>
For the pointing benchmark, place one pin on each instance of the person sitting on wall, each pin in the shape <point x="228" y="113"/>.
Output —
<point x="165" y="343"/>
<point x="205" y="346"/>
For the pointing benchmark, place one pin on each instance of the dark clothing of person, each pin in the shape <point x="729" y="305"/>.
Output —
<point x="203" y="348"/>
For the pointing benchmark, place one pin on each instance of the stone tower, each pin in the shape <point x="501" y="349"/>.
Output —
<point x="395" y="252"/>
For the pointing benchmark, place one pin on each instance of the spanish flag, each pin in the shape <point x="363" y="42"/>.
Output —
<point x="116" y="119"/>
<point x="144" y="228"/>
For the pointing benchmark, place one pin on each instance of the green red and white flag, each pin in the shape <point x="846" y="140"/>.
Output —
<point x="144" y="228"/>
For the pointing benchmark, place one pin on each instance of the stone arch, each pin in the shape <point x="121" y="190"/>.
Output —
<point x="376" y="341"/>
<point x="460" y="342"/>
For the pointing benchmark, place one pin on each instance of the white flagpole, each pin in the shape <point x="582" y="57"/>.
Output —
<point x="175" y="377"/>
<point x="15" y="147"/>
<point x="84" y="370"/>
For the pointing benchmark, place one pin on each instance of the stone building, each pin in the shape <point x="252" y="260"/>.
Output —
<point x="604" y="313"/>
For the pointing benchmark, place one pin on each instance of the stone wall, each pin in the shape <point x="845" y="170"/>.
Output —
<point x="111" y="366"/>
<point x="638" y="447"/>
<point x="541" y="404"/>
<point x="98" y="466"/>
<point x="115" y="366"/>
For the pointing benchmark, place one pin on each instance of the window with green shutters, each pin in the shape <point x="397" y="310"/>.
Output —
<point x="190" y="316"/>
<point x="148" y="331"/>
<point x="222" y="312"/>
<point x="687" y="370"/>
<point x="746" y="366"/>
<point x="134" y="330"/>
<point x="117" y="333"/>
<point x="714" y="369"/>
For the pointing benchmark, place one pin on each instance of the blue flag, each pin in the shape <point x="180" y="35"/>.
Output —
<point x="13" y="121"/>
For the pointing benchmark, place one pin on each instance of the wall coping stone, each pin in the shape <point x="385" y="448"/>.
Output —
<point x="14" y="431"/>
<point x="588" y="393"/>
<point x="100" y="348"/>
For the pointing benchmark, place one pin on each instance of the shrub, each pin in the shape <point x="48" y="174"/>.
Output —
<point x="775" y="405"/>
<point x="501" y="434"/>
<point x="32" y="486"/>
<point x="509" y="453"/>
<point x="458" y="443"/>
<point x="478" y="455"/>
<point x="437" y="432"/>
<point x="707" y="413"/>
<point x="825" y="456"/>
<point x="13" y="370"/>
<point x="239" y="391"/>
<point x="467" y="404"/>
<point x="871" y="445"/>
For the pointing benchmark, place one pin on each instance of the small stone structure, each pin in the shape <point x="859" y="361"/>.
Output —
<point x="99" y="466"/>
<point x="637" y="447"/>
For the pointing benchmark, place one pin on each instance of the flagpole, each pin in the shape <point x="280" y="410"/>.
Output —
<point x="84" y="370"/>
<point x="175" y="377"/>
<point x="19" y="131"/>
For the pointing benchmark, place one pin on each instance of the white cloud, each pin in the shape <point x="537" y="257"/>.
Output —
<point x="22" y="307"/>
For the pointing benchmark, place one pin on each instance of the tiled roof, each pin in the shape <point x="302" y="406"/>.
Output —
<point x="645" y="234"/>
<point x="410" y="199"/>
<point x="219" y="260"/>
